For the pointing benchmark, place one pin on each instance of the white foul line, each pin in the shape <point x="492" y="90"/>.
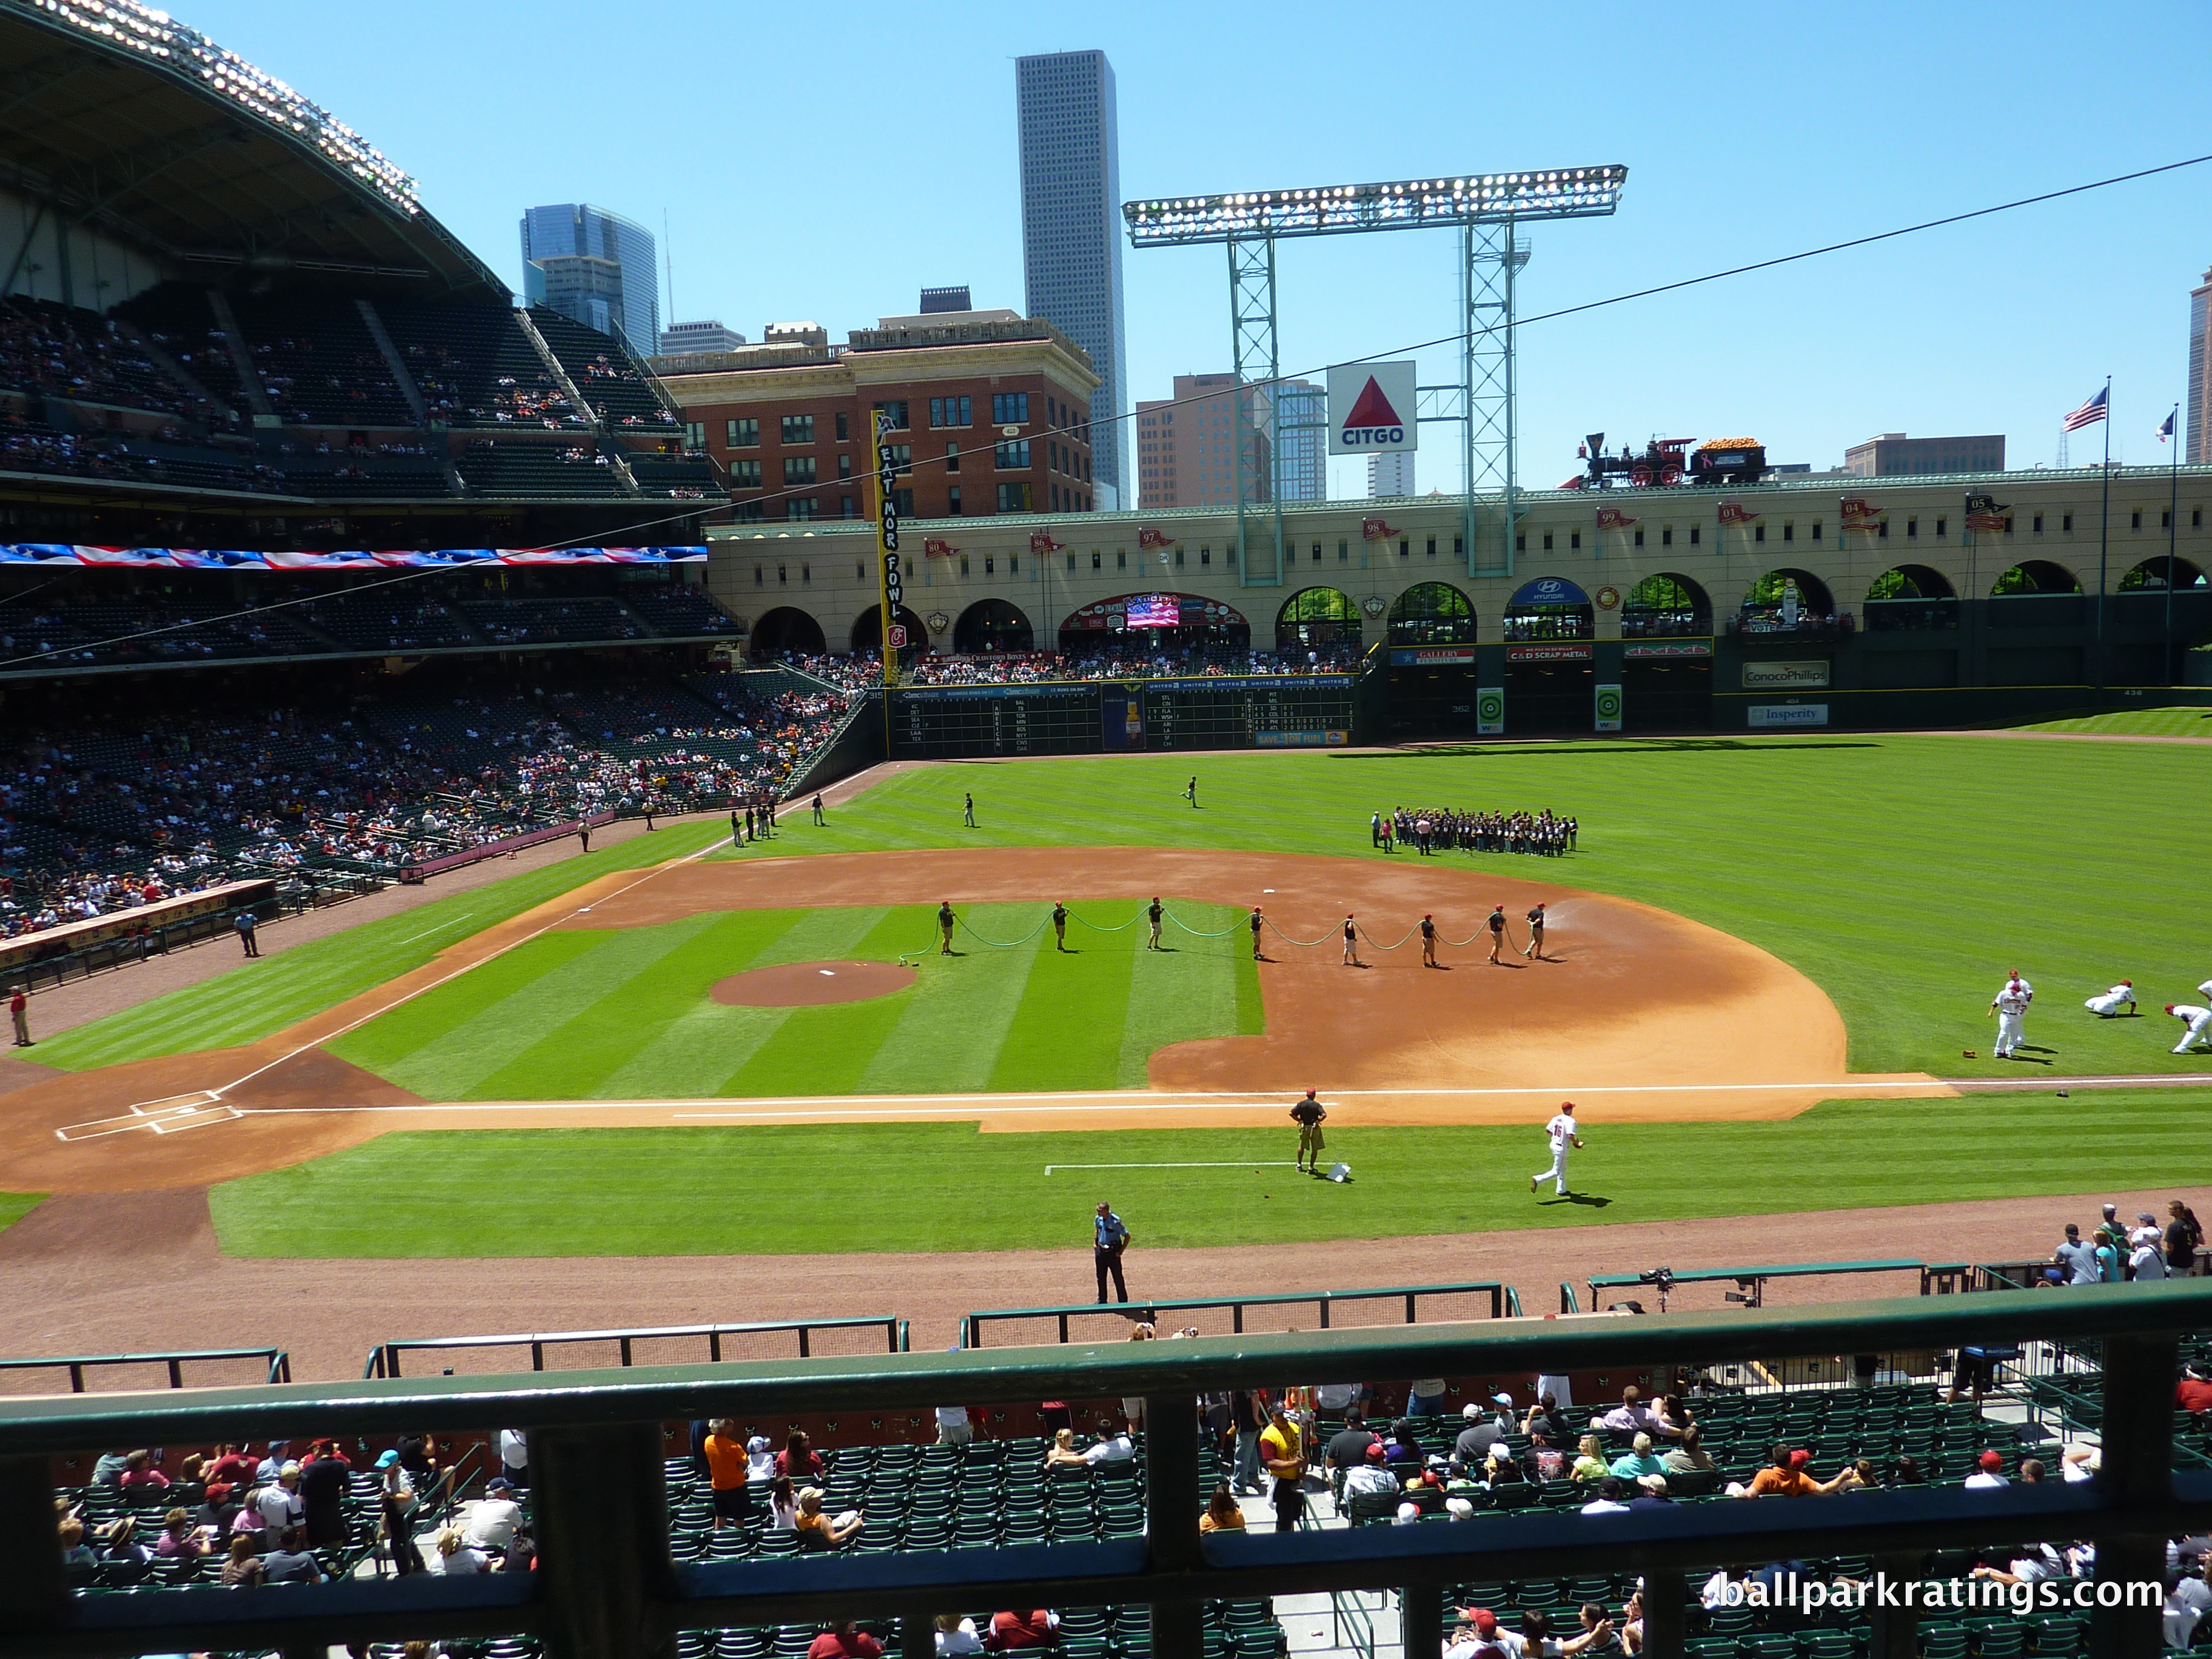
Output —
<point x="439" y="928"/>
<point x="1049" y="1167"/>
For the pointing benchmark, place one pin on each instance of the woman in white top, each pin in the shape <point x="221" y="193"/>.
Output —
<point x="782" y="1505"/>
<point x="956" y="1635"/>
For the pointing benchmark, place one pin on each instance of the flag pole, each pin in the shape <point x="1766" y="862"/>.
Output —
<point x="2104" y="533"/>
<point x="2172" y="533"/>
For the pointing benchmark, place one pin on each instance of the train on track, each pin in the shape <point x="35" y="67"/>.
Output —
<point x="1667" y="463"/>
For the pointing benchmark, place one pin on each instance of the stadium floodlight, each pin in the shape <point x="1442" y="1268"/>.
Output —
<point x="1404" y="204"/>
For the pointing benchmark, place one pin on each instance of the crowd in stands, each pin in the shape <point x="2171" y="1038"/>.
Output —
<point x="104" y="817"/>
<point x="1439" y="829"/>
<point x="48" y="349"/>
<point x="864" y="670"/>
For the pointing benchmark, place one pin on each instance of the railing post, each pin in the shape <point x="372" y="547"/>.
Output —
<point x="1896" y="1629"/>
<point x="34" y="1589"/>
<point x="599" y="1505"/>
<point x="2136" y="1469"/>
<point x="1666" y="1599"/>
<point x="1171" y="1511"/>
<point x="1421" y="1621"/>
<point x="917" y="1635"/>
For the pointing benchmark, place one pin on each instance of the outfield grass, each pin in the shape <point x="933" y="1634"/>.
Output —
<point x="727" y="1191"/>
<point x="1902" y="874"/>
<point x="14" y="1207"/>
<point x="617" y="1014"/>
<point x="2184" y="722"/>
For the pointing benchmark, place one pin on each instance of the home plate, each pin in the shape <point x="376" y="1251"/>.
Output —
<point x="164" y="1116"/>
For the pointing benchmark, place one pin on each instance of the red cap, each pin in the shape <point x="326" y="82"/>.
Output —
<point x="1375" y="1453"/>
<point x="2129" y="983"/>
<point x="2169" y="1007"/>
<point x="218" y="1490"/>
<point x="1485" y="1619"/>
<point x="1992" y="1460"/>
<point x="1800" y="1458"/>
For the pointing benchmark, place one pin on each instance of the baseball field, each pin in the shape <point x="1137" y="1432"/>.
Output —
<point x="1769" y="961"/>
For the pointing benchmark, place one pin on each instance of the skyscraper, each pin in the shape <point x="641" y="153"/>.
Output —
<point x="1301" y="439"/>
<point x="1390" y="474"/>
<point x="1071" y="229"/>
<point x="2200" y="373"/>
<point x="1185" y="452"/>
<point x="595" y="266"/>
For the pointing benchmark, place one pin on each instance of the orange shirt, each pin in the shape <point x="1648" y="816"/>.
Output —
<point x="726" y="1462"/>
<point x="1785" y="1482"/>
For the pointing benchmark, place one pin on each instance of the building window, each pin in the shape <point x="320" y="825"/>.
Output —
<point x="990" y="565"/>
<point x="1010" y="408"/>
<point x="1881" y="531"/>
<point x="1575" y="540"/>
<point x="782" y="574"/>
<point x="901" y="458"/>
<point x="1758" y="532"/>
<point x="2135" y="519"/>
<point x="952" y="458"/>
<point x="695" y="434"/>
<point x="951" y="411"/>
<point x="1094" y="562"/>
<point x="1205" y="556"/>
<point x="896" y="408"/>
<point x="1667" y="535"/>
<point x="1816" y="530"/>
<point x="844" y="427"/>
<point x="799" y="428"/>
<point x="2196" y="518"/>
<point x="844" y="466"/>
<point x="2066" y="524"/>
<point x="798" y="469"/>
<point x="1013" y="456"/>
<point x="800" y="507"/>
<point x="1911" y="527"/>
<point x="2039" y="524"/>
<point x="760" y="577"/>
<point x="963" y="564"/>
<point x="1120" y="558"/>
<point x="1316" y="553"/>
<point x="1788" y="532"/>
<point x="1013" y="498"/>
<point x="741" y="435"/>
<point x="1404" y="550"/>
<point x="1694" y="530"/>
<point x="1432" y="547"/>
<point x="2165" y="518"/>
<point x="1013" y="564"/>
<point x="848" y="508"/>
<point x="746" y="475"/>
<point x="952" y="501"/>
<point x="1344" y="552"/>
<point x="1547" y="541"/>
<point x="903" y="500"/>
<point x="1639" y="539"/>
<point x="1520" y="542"/>
<point x="1094" y="558"/>
<point x="750" y="512"/>
<point x="1942" y="525"/>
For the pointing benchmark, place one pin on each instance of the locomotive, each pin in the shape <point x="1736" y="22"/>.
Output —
<point x="1666" y="462"/>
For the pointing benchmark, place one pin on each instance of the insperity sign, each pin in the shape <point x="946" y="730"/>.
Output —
<point x="1371" y="409"/>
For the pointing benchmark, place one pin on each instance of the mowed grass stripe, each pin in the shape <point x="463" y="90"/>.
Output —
<point x="1066" y="1029"/>
<point x="828" y="1050"/>
<point x="948" y="1037"/>
<point x="1218" y="995"/>
<point x="256" y="999"/>
<point x="438" y="1030"/>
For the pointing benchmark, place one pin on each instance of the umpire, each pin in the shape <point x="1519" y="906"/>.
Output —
<point x="1109" y="1239"/>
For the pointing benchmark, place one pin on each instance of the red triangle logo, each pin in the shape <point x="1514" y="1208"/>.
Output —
<point x="1372" y="409"/>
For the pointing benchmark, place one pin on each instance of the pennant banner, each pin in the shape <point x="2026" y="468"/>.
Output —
<point x="209" y="558"/>
<point x="1611" y="518"/>
<point x="1041" y="542"/>
<point x="932" y="548"/>
<point x="1859" y="514"/>
<point x="1735" y="512"/>
<point x="1148" y="538"/>
<point x="1376" y="530"/>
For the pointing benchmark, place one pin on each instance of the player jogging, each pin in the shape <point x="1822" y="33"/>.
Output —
<point x="1307" y="1114"/>
<point x="1561" y="1130"/>
<point x="2009" y="1004"/>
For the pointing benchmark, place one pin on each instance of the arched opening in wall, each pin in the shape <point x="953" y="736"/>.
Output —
<point x="2038" y="594"/>
<point x="868" y="633"/>
<point x="991" y="627"/>
<point x="1789" y="602"/>
<point x="1549" y="608"/>
<point x="2151" y="576"/>
<point x="1549" y="660"/>
<point x="1666" y="606"/>
<point x="1319" y="622"/>
<point x="1911" y="599"/>
<point x="1433" y="613"/>
<point x="787" y="631"/>
<point x="1184" y="628"/>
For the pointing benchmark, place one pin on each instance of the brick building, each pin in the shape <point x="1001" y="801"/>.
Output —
<point x="1185" y="445"/>
<point x="990" y="411"/>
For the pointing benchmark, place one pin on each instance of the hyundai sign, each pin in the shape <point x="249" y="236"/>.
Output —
<point x="1371" y="409"/>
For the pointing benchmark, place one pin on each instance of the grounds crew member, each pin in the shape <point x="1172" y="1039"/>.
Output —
<point x="1350" y="942"/>
<point x="1152" y="917"/>
<point x="2199" y="1021"/>
<point x="19" y="1005"/>
<point x="1428" y="940"/>
<point x="1255" y="924"/>
<point x="1562" y="1131"/>
<point x="1499" y="934"/>
<point x="1059" y="925"/>
<point x="1536" y="946"/>
<point x="2121" y="998"/>
<point x="944" y="919"/>
<point x="2009" y="1004"/>
<point x="1307" y="1114"/>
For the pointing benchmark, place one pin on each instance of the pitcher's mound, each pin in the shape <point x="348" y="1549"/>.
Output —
<point x="812" y="984"/>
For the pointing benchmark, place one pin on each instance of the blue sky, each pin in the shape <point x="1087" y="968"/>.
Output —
<point x="827" y="162"/>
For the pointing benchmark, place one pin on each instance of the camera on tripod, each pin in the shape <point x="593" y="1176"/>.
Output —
<point x="1660" y="1279"/>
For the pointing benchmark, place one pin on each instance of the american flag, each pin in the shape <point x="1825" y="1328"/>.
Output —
<point x="2091" y="412"/>
<point x="2166" y="426"/>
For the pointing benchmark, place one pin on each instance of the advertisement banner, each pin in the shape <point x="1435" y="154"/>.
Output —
<point x="1552" y="651"/>
<point x="1608" y="709"/>
<point x="890" y="586"/>
<point x="1430" y="656"/>
<point x="1809" y="676"/>
<point x="1649" y="648"/>
<point x="1490" y="711"/>
<point x="1302" y="740"/>
<point x="225" y="558"/>
<point x="1371" y="409"/>
<point x="1771" y="715"/>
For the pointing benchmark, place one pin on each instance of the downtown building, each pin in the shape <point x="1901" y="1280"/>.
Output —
<point x="597" y="267"/>
<point x="1185" y="445"/>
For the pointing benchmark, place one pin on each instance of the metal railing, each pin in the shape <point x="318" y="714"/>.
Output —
<point x="1502" y="1298"/>
<point x="383" y="1358"/>
<point x="606" y="1586"/>
<point x="277" y="1362"/>
<point x="1751" y="1282"/>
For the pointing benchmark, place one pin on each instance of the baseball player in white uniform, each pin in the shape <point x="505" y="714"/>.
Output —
<point x="2200" y="1025"/>
<point x="2010" y="1006"/>
<point x="2121" y="998"/>
<point x="1561" y="1129"/>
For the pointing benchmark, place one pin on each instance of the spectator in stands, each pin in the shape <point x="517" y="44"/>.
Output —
<point x="495" y="1518"/>
<point x="1404" y="1445"/>
<point x="457" y="1558"/>
<point x="2193" y="1392"/>
<point x="396" y="1502"/>
<point x="2186" y="1603"/>
<point x="1371" y="1476"/>
<point x="1691" y="1455"/>
<point x="1638" y="1460"/>
<point x="1988" y="1472"/>
<point x="1483" y="1430"/>
<point x="266" y="1472"/>
<point x="1651" y="1493"/>
<point x="2183" y="1234"/>
<point x="279" y="1504"/>
<point x="179" y="1538"/>
<point x="2076" y="1259"/>
<point x="818" y="1531"/>
<point x="1544" y="1414"/>
<point x="841" y="1641"/>
<point x="139" y="1473"/>
<point x="230" y="1464"/>
<point x="782" y="1505"/>
<point x="1607" y="1501"/>
<point x="76" y="1555"/>
<point x="291" y="1562"/>
<point x="1247" y="1417"/>
<point x="798" y="1458"/>
<point x="243" y="1570"/>
<point x="324" y="1480"/>
<point x="1222" y="1514"/>
<point x="217" y="1509"/>
<point x="1032" y="1628"/>
<point x="1113" y="1445"/>
<point x="760" y="1461"/>
<point x="1347" y="1448"/>
<point x="1633" y="1414"/>
<point x="1502" y="1468"/>
<point x="957" y="1636"/>
<point x="514" y="1455"/>
<point x="1788" y="1476"/>
<point x="2146" y="1251"/>
<point x="1282" y="1453"/>
<point x="726" y="1474"/>
<point x="1589" y="1461"/>
<point x="1546" y="1460"/>
<point x="1061" y="1454"/>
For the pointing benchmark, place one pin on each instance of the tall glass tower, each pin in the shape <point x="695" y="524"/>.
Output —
<point x="595" y="266"/>
<point x="1070" y="229"/>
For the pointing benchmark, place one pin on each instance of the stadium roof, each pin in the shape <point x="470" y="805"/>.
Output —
<point x="145" y="130"/>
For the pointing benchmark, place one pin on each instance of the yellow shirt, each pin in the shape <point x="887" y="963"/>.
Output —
<point x="1279" y="1443"/>
<point x="1234" y="1523"/>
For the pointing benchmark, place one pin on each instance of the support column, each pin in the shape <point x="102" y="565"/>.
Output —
<point x="1421" y="1621"/>
<point x="599" y="1506"/>
<point x="1896" y="1630"/>
<point x="2137" y="1468"/>
<point x="917" y="1635"/>
<point x="34" y="1589"/>
<point x="1171" y="1512"/>
<point x="1254" y="372"/>
<point x="1666" y="1599"/>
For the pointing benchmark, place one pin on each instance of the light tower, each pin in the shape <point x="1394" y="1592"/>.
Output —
<point x="1488" y="209"/>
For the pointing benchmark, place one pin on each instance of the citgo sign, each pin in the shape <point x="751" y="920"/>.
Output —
<point x="1371" y="408"/>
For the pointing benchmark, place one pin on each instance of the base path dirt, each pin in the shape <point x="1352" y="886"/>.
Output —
<point x="85" y="1275"/>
